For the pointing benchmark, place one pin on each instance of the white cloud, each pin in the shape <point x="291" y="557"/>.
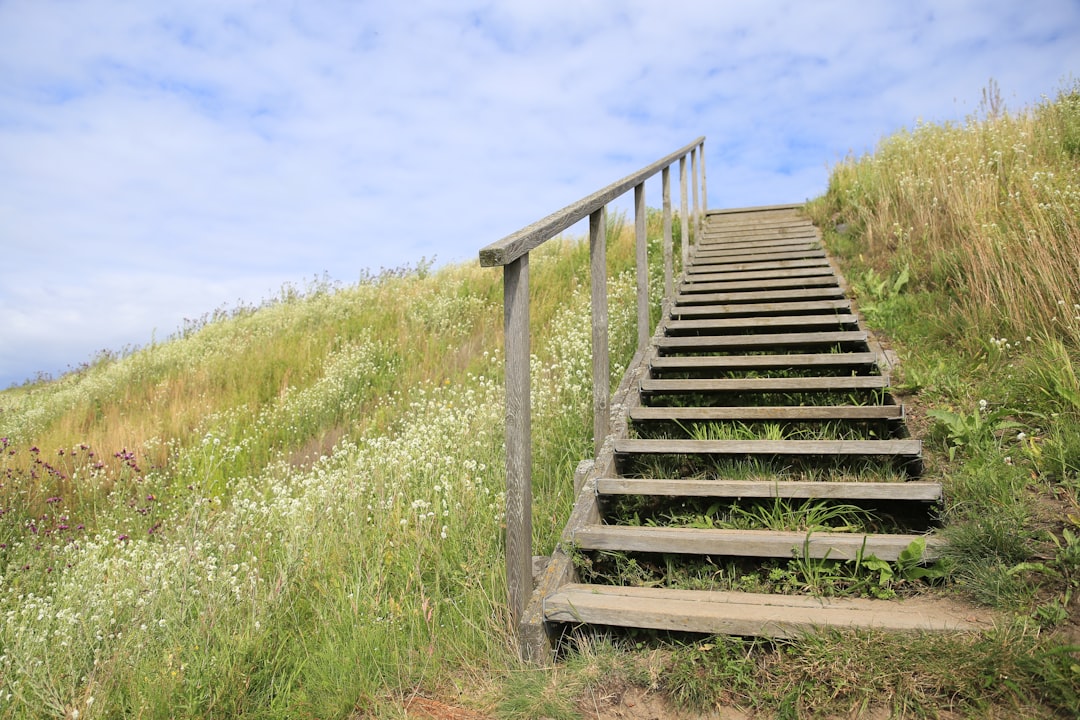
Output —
<point x="162" y="158"/>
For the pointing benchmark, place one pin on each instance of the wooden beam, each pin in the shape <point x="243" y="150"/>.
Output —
<point x="750" y="614"/>
<point x="751" y="543"/>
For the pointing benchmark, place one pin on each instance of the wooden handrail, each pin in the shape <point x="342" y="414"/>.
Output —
<point x="512" y="253"/>
<point x="530" y="237"/>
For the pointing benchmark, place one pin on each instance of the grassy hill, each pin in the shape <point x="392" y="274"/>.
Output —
<point x="295" y="510"/>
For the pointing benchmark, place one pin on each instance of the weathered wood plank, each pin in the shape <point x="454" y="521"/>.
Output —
<point x="759" y="243"/>
<point x="897" y="448"/>
<point x="828" y="291"/>
<point x="760" y="323"/>
<point x="778" y="209"/>
<point x="798" y="413"/>
<point x="796" y="384"/>
<point x="750" y="241"/>
<point x="599" y="311"/>
<point x="758" y="246"/>
<point x="918" y="491"/>
<point x="762" y="362"/>
<point x="778" y="259"/>
<point x="746" y="342"/>
<point x="518" y="435"/>
<point x="773" y="616"/>
<point x="701" y="268"/>
<point x="776" y="225"/>
<point x="750" y="543"/>
<point x="807" y="306"/>
<point x="700" y="286"/>
<point x="760" y="275"/>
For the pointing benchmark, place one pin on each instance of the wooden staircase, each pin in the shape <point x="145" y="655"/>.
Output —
<point x="759" y="387"/>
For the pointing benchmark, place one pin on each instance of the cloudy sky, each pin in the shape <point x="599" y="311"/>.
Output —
<point x="160" y="159"/>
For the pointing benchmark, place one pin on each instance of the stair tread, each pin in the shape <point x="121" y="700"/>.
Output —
<point x="767" y="321"/>
<point x="724" y="253"/>
<point x="770" y="412"/>
<point x="761" y="308"/>
<point x="915" y="490"/>
<point x="713" y="276"/>
<point x="702" y="385"/>
<point x="751" y="362"/>
<point x="752" y="614"/>
<point x="700" y="285"/>
<point x="720" y="263"/>
<point x="751" y="543"/>
<point x="703" y="342"/>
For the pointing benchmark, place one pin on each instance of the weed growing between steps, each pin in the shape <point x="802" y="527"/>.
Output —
<point x="783" y="514"/>
<point x="808" y="469"/>
<point x="758" y="430"/>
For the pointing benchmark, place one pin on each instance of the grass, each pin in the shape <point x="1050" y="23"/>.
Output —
<point x="295" y="509"/>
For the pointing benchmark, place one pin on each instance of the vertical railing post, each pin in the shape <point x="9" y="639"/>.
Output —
<point x="641" y="242"/>
<point x="665" y="181"/>
<point x="600" y="365"/>
<point x="704" y="192"/>
<point x="683" y="213"/>
<point x="518" y="436"/>
<point x="694" y="195"/>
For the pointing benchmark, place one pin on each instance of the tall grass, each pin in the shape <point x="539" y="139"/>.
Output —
<point x="293" y="510"/>
<point x="987" y="211"/>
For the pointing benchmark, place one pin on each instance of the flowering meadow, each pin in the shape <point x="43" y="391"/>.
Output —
<point x="293" y="510"/>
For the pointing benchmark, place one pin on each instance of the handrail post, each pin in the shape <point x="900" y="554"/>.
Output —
<point x="600" y="364"/>
<point x="694" y="195"/>
<point x="704" y="193"/>
<point x="665" y="181"/>
<point x="684" y="219"/>
<point x="641" y="242"/>
<point x="518" y="436"/>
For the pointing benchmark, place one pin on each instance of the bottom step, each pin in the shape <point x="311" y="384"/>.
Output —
<point x="751" y="614"/>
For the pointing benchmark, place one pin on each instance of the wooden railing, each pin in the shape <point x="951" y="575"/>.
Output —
<point x="512" y="253"/>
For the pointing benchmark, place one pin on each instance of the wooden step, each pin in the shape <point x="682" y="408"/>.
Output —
<point x="760" y="275"/>
<point x="780" y="308"/>
<point x="826" y="383"/>
<point x="767" y="252"/>
<point x="705" y="268"/>
<point x="768" y="413"/>
<point x="914" y="490"/>
<point x="750" y="543"/>
<point x="810" y="258"/>
<point x="752" y="614"/>
<point x="700" y="286"/>
<point x="747" y="342"/>
<point x="717" y="363"/>
<point x="737" y="235"/>
<point x="761" y="323"/>
<point x="754" y="296"/>
<point x="762" y="246"/>
<point x="896" y="448"/>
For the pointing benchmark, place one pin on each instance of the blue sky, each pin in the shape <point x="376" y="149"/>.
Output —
<point x="162" y="159"/>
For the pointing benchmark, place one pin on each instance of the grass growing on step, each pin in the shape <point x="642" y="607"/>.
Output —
<point x="758" y="430"/>
<point x="865" y="576"/>
<point x="812" y="469"/>
<point x="873" y="396"/>
<point x="783" y="514"/>
<point x="779" y="372"/>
